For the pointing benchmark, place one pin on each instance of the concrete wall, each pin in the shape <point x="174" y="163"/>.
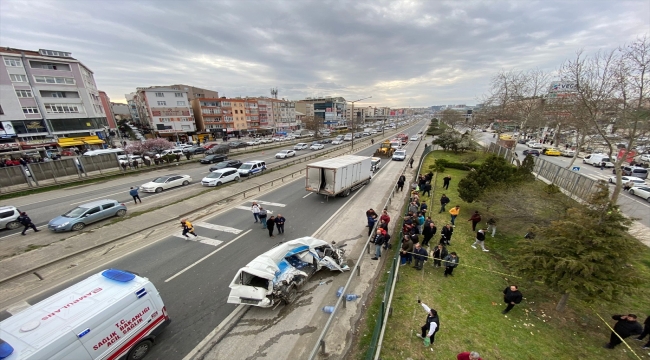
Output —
<point x="99" y="162"/>
<point x="12" y="175"/>
<point x="52" y="169"/>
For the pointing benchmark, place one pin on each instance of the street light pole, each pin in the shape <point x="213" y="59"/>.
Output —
<point x="353" y="117"/>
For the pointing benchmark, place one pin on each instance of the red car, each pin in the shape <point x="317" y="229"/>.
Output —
<point x="209" y="146"/>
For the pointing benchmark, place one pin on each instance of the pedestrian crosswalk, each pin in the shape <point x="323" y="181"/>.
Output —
<point x="218" y="227"/>
<point x="200" y="239"/>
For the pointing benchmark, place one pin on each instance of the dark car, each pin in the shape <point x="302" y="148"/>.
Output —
<point x="521" y="141"/>
<point x="531" y="152"/>
<point x="220" y="149"/>
<point x="326" y="141"/>
<point x="226" y="164"/>
<point x="194" y="150"/>
<point x="237" y="144"/>
<point x="211" y="159"/>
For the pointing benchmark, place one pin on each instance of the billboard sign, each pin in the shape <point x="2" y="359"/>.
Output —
<point x="562" y="87"/>
<point x="7" y="130"/>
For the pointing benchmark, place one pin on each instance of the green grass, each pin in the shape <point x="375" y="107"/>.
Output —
<point x="470" y="302"/>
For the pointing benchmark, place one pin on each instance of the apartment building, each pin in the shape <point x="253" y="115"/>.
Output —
<point x="166" y="112"/>
<point x="106" y="106"/>
<point x="47" y="95"/>
<point x="251" y="110"/>
<point x="329" y="110"/>
<point x="194" y="92"/>
<point x="284" y="113"/>
<point x="265" y="109"/>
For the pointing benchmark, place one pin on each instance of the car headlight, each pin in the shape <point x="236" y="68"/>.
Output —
<point x="64" y="224"/>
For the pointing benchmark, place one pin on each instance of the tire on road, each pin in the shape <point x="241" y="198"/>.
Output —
<point x="78" y="226"/>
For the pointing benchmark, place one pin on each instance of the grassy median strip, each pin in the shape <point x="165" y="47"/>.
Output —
<point x="470" y="302"/>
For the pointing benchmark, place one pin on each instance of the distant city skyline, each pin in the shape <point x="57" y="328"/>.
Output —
<point x="402" y="53"/>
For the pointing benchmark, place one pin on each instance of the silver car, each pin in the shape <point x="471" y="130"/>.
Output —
<point x="77" y="218"/>
<point x="8" y="216"/>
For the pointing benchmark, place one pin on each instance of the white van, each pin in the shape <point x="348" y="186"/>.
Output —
<point x="104" y="151"/>
<point x="348" y="137"/>
<point x="111" y="315"/>
<point x="597" y="159"/>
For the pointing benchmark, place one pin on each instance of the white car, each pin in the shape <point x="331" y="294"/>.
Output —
<point x="641" y="191"/>
<point x="254" y="142"/>
<point x="317" y="146"/>
<point x="283" y="154"/>
<point x="278" y="139"/>
<point x="266" y="141"/>
<point x="414" y="138"/>
<point x="568" y="153"/>
<point x="337" y="142"/>
<point x="625" y="179"/>
<point x="301" y="146"/>
<point x="535" y="145"/>
<point x="645" y="158"/>
<point x="399" y="155"/>
<point x="172" y="152"/>
<point x="166" y="182"/>
<point x="220" y="176"/>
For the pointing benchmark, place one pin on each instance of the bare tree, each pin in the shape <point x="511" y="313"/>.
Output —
<point x="452" y="118"/>
<point x="312" y="123"/>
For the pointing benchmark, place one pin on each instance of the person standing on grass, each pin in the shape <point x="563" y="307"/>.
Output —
<point x="187" y="228"/>
<point x="134" y="193"/>
<point x="270" y="224"/>
<point x="454" y="213"/>
<point x="480" y="240"/>
<point x="400" y="183"/>
<point x="626" y="325"/>
<point x="444" y="200"/>
<point x="447" y="232"/>
<point x="378" y="241"/>
<point x="646" y="331"/>
<point x="468" y="356"/>
<point x="451" y="261"/>
<point x="256" y="211"/>
<point x="423" y="208"/>
<point x="413" y="207"/>
<point x="439" y="254"/>
<point x="279" y="223"/>
<point x="262" y="214"/>
<point x="420" y="256"/>
<point x="406" y="251"/>
<point x="475" y="219"/>
<point x="445" y="182"/>
<point x="431" y="327"/>
<point x="492" y="225"/>
<point x="511" y="296"/>
<point x="421" y="219"/>
<point x="427" y="189"/>
<point x="428" y="233"/>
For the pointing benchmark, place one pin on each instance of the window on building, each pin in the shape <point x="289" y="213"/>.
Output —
<point x="55" y="53"/>
<point x="13" y="62"/>
<point x="180" y="103"/>
<point x="57" y="94"/>
<point x="54" y="80"/>
<point x="30" y="110"/>
<point x="63" y="108"/>
<point x="18" y="78"/>
<point x="162" y="103"/>
<point x="49" y="66"/>
<point x="159" y="94"/>
<point x="177" y="95"/>
<point x="24" y="93"/>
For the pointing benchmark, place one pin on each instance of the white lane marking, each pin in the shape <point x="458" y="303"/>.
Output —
<point x="207" y="256"/>
<point x="14" y="309"/>
<point x="201" y="239"/>
<point x="242" y="207"/>
<point x="307" y="195"/>
<point x="268" y="203"/>
<point x="218" y="227"/>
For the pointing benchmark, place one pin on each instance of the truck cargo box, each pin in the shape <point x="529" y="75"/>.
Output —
<point x="338" y="176"/>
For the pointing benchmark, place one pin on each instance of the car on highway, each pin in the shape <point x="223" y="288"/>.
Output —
<point x="221" y="176"/>
<point x="254" y="142"/>
<point x="414" y="138"/>
<point x="237" y="144"/>
<point x="194" y="150"/>
<point x="568" y="153"/>
<point x="266" y="141"/>
<point x="253" y="167"/>
<point x="172" y="152"/>
<point x="283" y="154"/>
<point x="8" y="217"/>
<point x="535" y="145"/>
<point x="317" y="146"/>
<point x="300" y="146"/>
<point x="224" y="164"/>
<point x="642" y="192"/>
<point x="337" y="141"/>
<point x="551" y="152"/>
<point x="325" y="141"/>
<point x="531" y="152"/>
<point x="645" y="158"/>
<point x="628" y="179"/>
<point x="77" y="218"/>
<point x="211" y="159"/>
<point x="128" y="159"/>
<point x="166" y="182"/>
<point x="279" y="138"/>
<point x="399" y="155"/>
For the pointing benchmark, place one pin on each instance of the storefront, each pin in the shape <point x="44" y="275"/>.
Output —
<point x="82" y="143"/>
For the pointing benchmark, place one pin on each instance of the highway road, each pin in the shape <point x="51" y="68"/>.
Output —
<point x="45" y="206"/>
<point x="193" y="275"/>
<point x="631" y="205"/>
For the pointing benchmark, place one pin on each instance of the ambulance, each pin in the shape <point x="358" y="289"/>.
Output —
<point x="114" y="314"/>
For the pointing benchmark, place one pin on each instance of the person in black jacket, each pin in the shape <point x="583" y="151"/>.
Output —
<point x="444" y="200"/>
<point x="26" y="222"/>
<point x="646" y="331"/>
<point x="626" y="325"/>
<point x="379" y="241"/>
<point x="439" y="254"/>
<point x="446" y="232"/>
<point x="451" y="261"/>
<point x="400" y="183"/>
<point x="420" y="256"/>
<point x="511" y="296"/>
<point x="428" y="232"/>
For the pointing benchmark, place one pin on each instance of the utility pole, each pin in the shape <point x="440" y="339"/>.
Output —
<point x="353" y="118"/>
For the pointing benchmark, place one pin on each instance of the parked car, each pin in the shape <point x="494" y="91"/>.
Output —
<point x="642" y="192"/>
<point x="211" y="159"/>
<point x="568" y="153"/>
<point x="535" y="145"/>
<point x="283" y="154"/>
<point x="194" y="150"/>
<point x="625" y="179"/>
<point x="636" y="171"/>
<point x="531" y="152"/>
<point x="266" y="141"/>
<point x="8" y="216"/>
<point x="219" y="149"/>
<point x="414" y="138"/>
<point x="226" y="164"/>
<point x="520" y="141"/>
<point x="220" y="176"/>
<point x="172" y="152"/>
<point x="165" y="182"/>
<point x="317" y="146"/>
<point x="77" y="218"/>
<point x="300" y="146"/>
<point x="278" y="139"/>
<point x="399" y="155"/>
<point x="254" y="142"/>
<point x="645" y="158"/>
<point x="551" y="152"/>
<point x="237" y="144"/>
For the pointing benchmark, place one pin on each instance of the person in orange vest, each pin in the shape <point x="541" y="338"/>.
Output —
<point x="188" y="228"/>
<point x="454" y="213"/>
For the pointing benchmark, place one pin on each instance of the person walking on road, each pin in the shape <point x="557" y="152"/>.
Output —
<point x="134" y="193"/>
<point x="445" y="182"/>
<point x="475" y="219"/>
<point x="411" y="163"/>
<point x="270" y="224"/>
<point x="256" y="211"/>
<point x="262" y="215"/>
<point x="378" y="241"/>
<point x="480" y="240"/>
<point x="439" y="254"/>
<point x="451" y="261"/>
<point x="444" y="200"/>
<point x="431" y="327"/>
<point x="25" y="221"/>
<point x="400" y="183"/>
<point x="420" y="256"/>
<point x="626" y="326"/>
<point x="187" y="228"/>
<point x="511" y="296"/>
<point x="279" y="223"/>
<point x="646" y="331"/>
<point x="454" y="213"/>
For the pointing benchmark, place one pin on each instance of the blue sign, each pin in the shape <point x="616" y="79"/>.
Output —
<point x="576" y="168"/>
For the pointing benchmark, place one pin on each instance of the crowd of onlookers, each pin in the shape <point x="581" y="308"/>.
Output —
<point x="7" y="162"/>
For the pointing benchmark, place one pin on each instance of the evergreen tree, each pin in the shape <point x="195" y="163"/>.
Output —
<point x="585" y="254"/>
<point x="492" y="172"/>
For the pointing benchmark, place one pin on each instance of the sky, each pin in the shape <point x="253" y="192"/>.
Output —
<point x="402" y="53"/>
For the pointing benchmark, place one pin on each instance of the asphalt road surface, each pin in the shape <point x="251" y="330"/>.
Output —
<point x="195" y="287"/>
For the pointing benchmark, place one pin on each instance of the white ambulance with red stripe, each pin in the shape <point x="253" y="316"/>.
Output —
<point x="111" y="315"/>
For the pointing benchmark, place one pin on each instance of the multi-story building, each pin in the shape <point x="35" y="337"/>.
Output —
<point x="330" y="111"/>
<point x="133" y="108"/>
<point x="106" y="106"/>
<point x="265" y="108"/>
<point x="210" y="115"/>
<point x="306" y="108"/>
<point x="252" y="115"/>
<point x="47" y="95"/>
<point x="121" y="111"/>
<point x="284" y="113"/>
<point x="221" y="116"/>
<point x="238" y="114"/>
<point x="194" y="92"/>
<point x="166" y="111"/>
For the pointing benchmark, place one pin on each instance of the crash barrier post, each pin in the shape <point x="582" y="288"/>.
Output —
<point x="337" y="305"/>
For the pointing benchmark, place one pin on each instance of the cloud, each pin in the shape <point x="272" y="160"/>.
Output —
<point x="402" y="53"/>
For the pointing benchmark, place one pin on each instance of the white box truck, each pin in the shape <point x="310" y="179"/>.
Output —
<point x="111" y="315"/>
<point x="338" y="176"/>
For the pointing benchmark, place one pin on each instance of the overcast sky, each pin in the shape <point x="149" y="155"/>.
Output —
<point x="402" y="53"/>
